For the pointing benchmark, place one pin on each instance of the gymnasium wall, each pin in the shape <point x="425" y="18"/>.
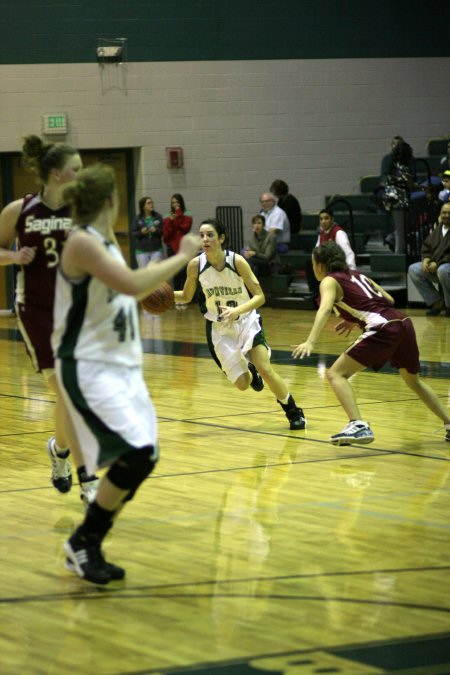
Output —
<point x="252" y="91"/>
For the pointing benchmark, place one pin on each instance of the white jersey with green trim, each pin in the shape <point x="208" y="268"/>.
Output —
<point x="224" y="287"/>
<point x="94" y="323"/>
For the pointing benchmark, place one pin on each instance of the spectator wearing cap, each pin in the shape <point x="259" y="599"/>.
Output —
<point x="277" y="222"/>
<point x="289" y="204"/>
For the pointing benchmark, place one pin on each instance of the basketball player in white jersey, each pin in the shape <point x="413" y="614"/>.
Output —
<point x="98" y="355"/>
<point x="230" y="295"/>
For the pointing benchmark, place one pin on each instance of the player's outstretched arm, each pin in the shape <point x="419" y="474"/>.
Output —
<point x="328" y="292"/>
<point x="190" y="285"/>
<point x="83" y="255"/>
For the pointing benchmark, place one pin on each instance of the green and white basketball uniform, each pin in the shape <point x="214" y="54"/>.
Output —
<point x="98" y="354"/>
<point x="230" y="341"/>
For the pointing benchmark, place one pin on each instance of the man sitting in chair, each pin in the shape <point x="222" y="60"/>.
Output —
<point x="276" y="221"/>
<point x="434" y="270"/>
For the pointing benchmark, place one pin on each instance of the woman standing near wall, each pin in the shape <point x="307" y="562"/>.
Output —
<point x="146" y="231"/>
<point x="176" y="224"/>
<point x="400" y="182"/>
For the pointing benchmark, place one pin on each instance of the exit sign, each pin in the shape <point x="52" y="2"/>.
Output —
<point x="54" y="124"/>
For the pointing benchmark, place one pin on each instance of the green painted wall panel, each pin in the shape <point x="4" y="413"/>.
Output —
<point x="68" y="31"/>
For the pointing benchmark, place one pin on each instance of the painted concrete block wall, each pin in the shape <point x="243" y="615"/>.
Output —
<point x="318" y="124"/>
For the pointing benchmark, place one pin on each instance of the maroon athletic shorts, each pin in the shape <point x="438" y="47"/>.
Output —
<point x="395" y="342"/>
<point x="36" y="325"/>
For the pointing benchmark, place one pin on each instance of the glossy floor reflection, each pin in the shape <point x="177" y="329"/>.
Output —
<point x="252" y="548"/>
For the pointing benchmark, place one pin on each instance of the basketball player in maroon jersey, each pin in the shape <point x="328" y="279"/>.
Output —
<point x="39" y="224"/>
<point x="388" y="336"/>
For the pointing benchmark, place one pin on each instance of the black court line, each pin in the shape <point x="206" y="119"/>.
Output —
<point x="371" y="452"/>
<point x="94" y="592"/>
<point x="381" y="451"/>
<point x="226" y="470"/>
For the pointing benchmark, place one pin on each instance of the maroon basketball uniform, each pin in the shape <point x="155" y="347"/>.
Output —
<point x="40" y="227"/>
<point x="388" y="335"/>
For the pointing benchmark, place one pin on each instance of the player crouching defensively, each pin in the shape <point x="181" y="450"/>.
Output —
<point x="388" y="336"/>
<point x="230" y="295"/>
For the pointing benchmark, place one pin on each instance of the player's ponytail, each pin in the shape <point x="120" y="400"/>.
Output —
<point x="89" y="191"/>
<point x="331" y="255"/>
<point x="41" y="157"/>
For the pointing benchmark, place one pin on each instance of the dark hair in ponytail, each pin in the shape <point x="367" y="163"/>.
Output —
<point x="331" y="255"/>
<point x="42" y="157"/>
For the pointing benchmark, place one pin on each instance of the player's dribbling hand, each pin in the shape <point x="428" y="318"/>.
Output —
<point x="228" y="313"/>
<point x="190" y="245"/>
<point x="300" y="351"/>
<point x="344" y="327"/>
<point x="25" y="255"/>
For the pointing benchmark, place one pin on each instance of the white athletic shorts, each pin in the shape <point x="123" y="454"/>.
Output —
<point x="110" y="408"/>
<point x="233" y="340"/>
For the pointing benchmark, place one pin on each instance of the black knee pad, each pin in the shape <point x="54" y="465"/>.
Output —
<point x="128" y="472"/>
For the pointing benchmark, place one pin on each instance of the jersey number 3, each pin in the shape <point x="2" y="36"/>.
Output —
<point x="51" y="251"/>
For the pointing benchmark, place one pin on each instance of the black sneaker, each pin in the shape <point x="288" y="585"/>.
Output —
<point x="257" y="382"/>
<point x="295" y="415"/>
<point x="447" y="432"/>
<point x="86" y="559"/>
<point x="116" y="573"/>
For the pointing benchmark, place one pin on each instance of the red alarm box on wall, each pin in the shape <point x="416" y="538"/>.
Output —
<point x="174" y="158"/>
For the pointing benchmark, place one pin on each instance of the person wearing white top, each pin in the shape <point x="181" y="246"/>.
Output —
<point x="330" y="231"/>
<point x="277" y="222"/>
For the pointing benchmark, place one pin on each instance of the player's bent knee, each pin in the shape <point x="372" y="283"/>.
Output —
<point x="131" y="469"/>
<point x="243" y="382"/>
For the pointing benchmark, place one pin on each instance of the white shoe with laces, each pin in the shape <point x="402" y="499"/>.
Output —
<point x="355" y="432"/>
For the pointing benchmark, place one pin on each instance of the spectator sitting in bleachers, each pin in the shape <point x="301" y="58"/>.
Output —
<point x="329" y="230"/>
<point x="289" y="204"/>
<point x="431" y="277"/>
<point x="261" y="248"/>
<point x="276" y="221"/>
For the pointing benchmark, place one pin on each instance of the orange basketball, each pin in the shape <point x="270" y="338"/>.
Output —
<point x="159" y="300"/>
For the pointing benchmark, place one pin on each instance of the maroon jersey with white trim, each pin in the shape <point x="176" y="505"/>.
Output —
<point x="362" y="303"/>
<point x="40" y="227"/>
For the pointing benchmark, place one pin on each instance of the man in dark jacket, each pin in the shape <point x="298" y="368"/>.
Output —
<point x="289" y="204"/>
<point x="434" y="270"/>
